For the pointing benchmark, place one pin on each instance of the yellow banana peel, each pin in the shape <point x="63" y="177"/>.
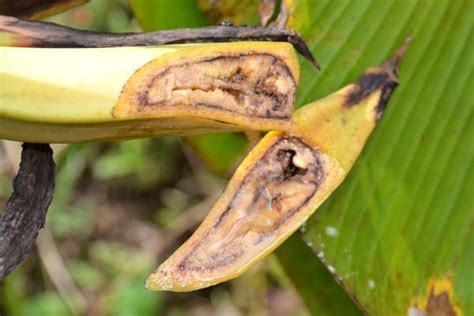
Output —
<point x="66" y="95"/>
<point x="280" y="184"/>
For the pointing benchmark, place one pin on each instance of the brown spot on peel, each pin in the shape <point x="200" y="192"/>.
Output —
<point x="439" y="305"/>
<point x="238" y="87"/>
<point x="439" y="300"/>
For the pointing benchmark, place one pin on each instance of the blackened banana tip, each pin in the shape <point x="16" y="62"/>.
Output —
<point x="393" y="63"/>
<point x="301" y="47"/>
<point x="391" y="67"/>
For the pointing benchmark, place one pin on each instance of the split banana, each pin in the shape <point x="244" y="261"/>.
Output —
<point x="66" y="95"/>
<point x="280" y="184"/>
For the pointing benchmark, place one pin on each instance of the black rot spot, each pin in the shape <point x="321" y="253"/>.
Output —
<point x="386" y="93"/>
<point x="368" y="84"/>
<point x="289" y="169"/>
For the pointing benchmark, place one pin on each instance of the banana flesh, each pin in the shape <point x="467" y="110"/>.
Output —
<point x="66" y="95"/>
<point x="279" y="185"/>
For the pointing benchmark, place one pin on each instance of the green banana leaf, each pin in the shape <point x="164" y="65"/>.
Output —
<point x="161" y="15"/>
<point x="239" y="12"/>
<point x="398" y="233"/>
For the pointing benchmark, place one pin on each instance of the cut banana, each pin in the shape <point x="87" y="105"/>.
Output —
<point x="72" y="95"/>
<point x="279" y="185"/>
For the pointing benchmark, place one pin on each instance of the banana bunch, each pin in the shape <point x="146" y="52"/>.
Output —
<point x="69" y="95"/>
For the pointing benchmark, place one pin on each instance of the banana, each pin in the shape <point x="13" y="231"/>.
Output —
<point x="67" y="95"/>
<point x="280" y="184"/>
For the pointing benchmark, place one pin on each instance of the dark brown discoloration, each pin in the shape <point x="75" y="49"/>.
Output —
<point x="439" y="305"/>
<point x="26" y="209"/>
<point x="366" y="85"/>
<point x="439" y="300"/>
<point x="258" y="85"/>
<point x="387" y="91"/>
<point x="44" y="34"/>
<point x="384" y="78"/>
<point x="369" y="83"/>
<point x="273" y="191"/>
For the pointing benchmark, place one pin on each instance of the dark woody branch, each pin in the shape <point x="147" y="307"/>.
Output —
<point x="26" y="209"/>
<point x="44" y="34"/>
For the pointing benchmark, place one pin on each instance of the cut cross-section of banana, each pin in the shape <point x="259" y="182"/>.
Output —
<point x="280" y="184"/>
<point x="66" y="95"/>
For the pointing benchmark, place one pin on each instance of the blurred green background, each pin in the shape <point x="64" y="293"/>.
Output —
<point x="402" y="221"/>
<point x="121" y="208"/>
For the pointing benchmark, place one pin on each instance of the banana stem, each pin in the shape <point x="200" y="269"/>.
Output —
<point x="45" y="34"/>
<point x="26" y="209"/>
